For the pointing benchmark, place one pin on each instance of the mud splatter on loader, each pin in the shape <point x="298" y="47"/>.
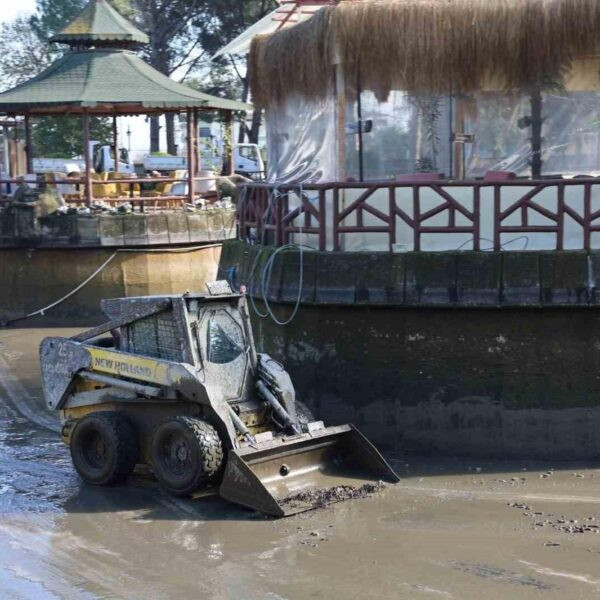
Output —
<point x="175" y="382"/>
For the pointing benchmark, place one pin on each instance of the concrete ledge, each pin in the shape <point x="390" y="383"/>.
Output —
<point x="20" y="228"/>
<point x="442" y="279"/>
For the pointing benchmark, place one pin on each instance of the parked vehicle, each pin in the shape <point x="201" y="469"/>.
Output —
<point x="103" y="161"/>
<point x="247" y="161"/>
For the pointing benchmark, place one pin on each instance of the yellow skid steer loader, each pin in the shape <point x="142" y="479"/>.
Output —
<point x="175" y="382"/>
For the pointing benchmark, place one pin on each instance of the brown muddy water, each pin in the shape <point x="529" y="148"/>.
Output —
<point x="452" y="529"/>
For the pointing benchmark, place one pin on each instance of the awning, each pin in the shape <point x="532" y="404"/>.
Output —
<point x="286" y="15"/>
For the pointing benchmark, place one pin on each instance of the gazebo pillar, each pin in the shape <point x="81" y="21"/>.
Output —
<point x="196" y="144"/>
<point x="89" y="196"/>
<point x="28" y="147"/>
<point x="229" y="140"/>
<point x="190" y="154"/>
<point x="115" y="133"/>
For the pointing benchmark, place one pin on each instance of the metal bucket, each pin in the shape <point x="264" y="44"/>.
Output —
<point x="285" y="476"/>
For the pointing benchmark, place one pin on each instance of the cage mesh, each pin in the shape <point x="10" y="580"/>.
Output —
<point x="156" y="336"/>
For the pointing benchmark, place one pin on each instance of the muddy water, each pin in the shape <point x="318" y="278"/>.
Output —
<point x="450" y="529"/>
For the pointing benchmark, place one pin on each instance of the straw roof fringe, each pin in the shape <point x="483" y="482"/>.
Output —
<point x="424" y="46"/>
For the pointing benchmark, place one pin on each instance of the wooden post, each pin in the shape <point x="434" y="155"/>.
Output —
<point x="229" y="139"/>
<point x="537" y="121"/>
<point x="28" y="147"/>
<point x="458" y="145"/>
<point x="16" y="165"/>
<point x="116" y="142"/>
<point x="196" y="144"/>
<point x="89" y="194"/>
<point x="190" y="154"/>
<point x="340" y="97"/>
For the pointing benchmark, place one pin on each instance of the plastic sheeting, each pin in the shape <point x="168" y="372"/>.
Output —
<point x="408" y="134"/>
<point x="411" y="134"/>
<point x="301" y="141"/>
<point x="570" y="134"/>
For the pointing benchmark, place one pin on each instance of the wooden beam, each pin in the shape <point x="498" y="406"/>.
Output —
<point x="340" y="97"/>
<point x="28" y="146"/>
<point x="115" y="133"/>
<point x="229" y="141"/>
<point x="190" y="155"/>
<point x="196" y="144"/>
<point x="89" y="193"/>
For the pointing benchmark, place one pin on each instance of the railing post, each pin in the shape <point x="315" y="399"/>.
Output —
<point x="392" y="216"/>
<point x="278" y="221"/>
<point x="322" y="221"/>
<point x="335" y="220"/>
<point x="587" y="209"/>
<point x="476" y="218"/>
<point x="416" y="219"/>
<point x="560" y="210"/>
<point x="497" y="217"/>
<point x="286" y="228"/>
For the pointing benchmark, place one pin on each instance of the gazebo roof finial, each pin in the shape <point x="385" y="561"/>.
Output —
<point x="100" y="24"/>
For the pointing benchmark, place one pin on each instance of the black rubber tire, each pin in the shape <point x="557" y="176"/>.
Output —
<point x="304" y="415"/>
<point x="187" y="454"/>
<point x="104" y="448"/>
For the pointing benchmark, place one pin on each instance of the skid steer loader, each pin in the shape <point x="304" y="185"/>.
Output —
<point x="175" y="382"/>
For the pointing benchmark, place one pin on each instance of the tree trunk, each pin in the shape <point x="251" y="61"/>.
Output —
<point x="171" y="145"/>
<point x="255" y="127"/>
<point x="154" y="134"/>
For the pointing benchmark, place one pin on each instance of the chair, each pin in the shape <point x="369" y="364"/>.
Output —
<point x="124" y="189"/>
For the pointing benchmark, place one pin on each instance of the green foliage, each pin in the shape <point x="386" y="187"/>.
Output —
<point x="62" y="137"/>
<point x="52" y="15"/>
<point x="22" y="54"/>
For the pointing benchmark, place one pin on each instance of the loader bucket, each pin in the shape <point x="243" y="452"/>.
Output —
<point x="285" y="476"/>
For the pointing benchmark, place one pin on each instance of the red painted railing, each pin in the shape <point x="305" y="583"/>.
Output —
<point x="269" y="213"/>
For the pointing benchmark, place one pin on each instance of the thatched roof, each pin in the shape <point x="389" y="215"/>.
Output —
<point x="434" y="46"/>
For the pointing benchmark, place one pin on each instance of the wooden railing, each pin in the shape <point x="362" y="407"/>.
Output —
<point x="483" y="212"/>
<point x="134" y="194"/>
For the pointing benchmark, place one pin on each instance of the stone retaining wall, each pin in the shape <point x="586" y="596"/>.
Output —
<point x="482" y="279"/>
<point x="19" y="227"/>
<point x="483" y="354"/>
<point x="33" y="278"/>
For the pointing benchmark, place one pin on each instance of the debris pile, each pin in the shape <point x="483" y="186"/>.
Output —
<point x="320" y="498"/>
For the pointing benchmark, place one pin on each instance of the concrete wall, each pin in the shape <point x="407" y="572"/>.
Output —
<point x="477" y="354"/>
<point x="33" y="278"/>
<point x="20" y="228"/>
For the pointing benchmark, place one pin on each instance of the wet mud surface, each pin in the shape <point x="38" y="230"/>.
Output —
<point x="451" y="529"/>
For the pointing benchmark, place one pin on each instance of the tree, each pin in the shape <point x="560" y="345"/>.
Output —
<point x="58" y="137"/>
<point x="22" y="53"/>
<point x="172" y="47"/>
<point x="52" y="15"/>
<point x="221" y="21"/>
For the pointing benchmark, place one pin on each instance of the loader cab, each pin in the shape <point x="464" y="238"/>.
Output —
<point x="206" y="331"/>
<point x="221" y="347"/>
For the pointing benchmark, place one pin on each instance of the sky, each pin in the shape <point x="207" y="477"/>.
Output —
<point x="9" y="9"/>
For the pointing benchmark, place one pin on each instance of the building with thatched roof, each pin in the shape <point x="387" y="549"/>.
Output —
<point x="427" y="55"/>
<point x="380" y="91"/>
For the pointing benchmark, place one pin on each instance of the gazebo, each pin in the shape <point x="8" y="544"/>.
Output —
<point x="102" y="76"/>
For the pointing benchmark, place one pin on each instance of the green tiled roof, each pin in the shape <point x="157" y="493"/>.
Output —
<point x="106" y="77"/>
<point x="100" y="22"/>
